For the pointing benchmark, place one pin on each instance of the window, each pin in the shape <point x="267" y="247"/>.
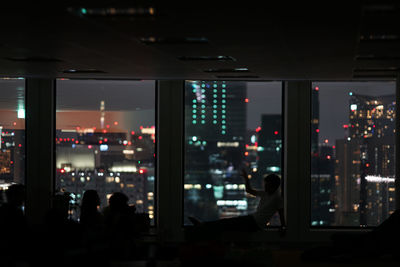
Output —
<point x="352" y="153"/>
<point x="105" y="140"/>
<point x="229" y="126"/>
<point x="12" y="133"/>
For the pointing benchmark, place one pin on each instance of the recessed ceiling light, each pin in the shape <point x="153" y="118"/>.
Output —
<point x="33" y="59"/>
<point x="73" y="71"/>
<point x="228" y="70"/>
<point x="173" y="40"/>
<point x="207" y="58"/>
<point x="114" y="11"/>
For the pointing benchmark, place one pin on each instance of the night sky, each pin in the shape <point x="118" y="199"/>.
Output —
<point x="139" y="96"/>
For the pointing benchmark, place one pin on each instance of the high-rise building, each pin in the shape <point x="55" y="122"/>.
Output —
<point x="215" y="118"/>
<point x="364" y="174"/>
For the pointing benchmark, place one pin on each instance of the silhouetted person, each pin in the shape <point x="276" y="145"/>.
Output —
<point x="13" y="239"/>
<point x="120" y="219"/>
<point x="90" y="215"/>
<point x="270" y="203"/>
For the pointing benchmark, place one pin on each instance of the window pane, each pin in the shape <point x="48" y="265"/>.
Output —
<point x="228" y="126"/>
<point x="352" y="146"/>
<point x="105" y="140"/>
<point x="12" y="133"/>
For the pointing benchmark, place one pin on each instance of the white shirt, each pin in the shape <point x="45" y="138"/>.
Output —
<point x="268" y="205"/>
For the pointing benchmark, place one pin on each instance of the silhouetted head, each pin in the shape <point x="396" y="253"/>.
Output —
<point x="118" y="201"/>
<point x="16" y="194"/>
<point x="271" y="183"/>
<point x="90" y="199"/>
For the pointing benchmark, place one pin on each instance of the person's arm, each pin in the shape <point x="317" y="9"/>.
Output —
<point x="249" y="189"/>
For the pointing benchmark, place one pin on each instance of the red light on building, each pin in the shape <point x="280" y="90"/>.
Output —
<point x="133" y="133"/>
<point x="333" y="147"/>
<point x="68" y="139"/>
<point x="246" y="153"/>
<point x="100" y="142"/>
<point x="345" y="126"/>
<point x="367" y="165"/>
<point x="129" y="143"/>
<point x="154" y="141"/>
<point x="62" y="171"/>
<point x="141" y="171"/>
<point x="104" y="131"/>
<point x="373" y="126"/>
<point x="141" y="127"/>
<point x="140" y="137"/>
<point x="65" y="139"/>
<point x="90" y="146"/>
<point x="247" y="145"/>
<point x="108" y="126"/>
<point x="316" y="88"/>
<point x="105" y="140"/>
<point x="246" y="100"/>
<point x="317" y="130"/>
<point x="73" y="139"/>
<point x="11" y="162"/>
<point x="326" y="141"/>
<point x="76" y="142"/>
<point x="115" y="122"/>
<point x="19" y="145"/>
<point x="256" y="144"/>
<point x="276" y="132"/>
<point x="258" y="129"/>
<point x="14" y="123"/>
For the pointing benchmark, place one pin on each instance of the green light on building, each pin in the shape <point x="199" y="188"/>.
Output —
<point x="223" y="132"/>
<point x="215" y="101"/>
<point x="194" y="101"/>
<point x="214" y="111"/>
<point x="203" y="111"/>
<point x="223" y="127"/>
<point x="203" y="116"/>
<point x="223" y="91"/>
<point x="214" y="95"/>
<point x="194" y="90"/>
<point x="194" y="111"/>
<point x="223" y="111"/>
<point x="194" y="116"/>
<point x="83" y="11"/>
<point x="203" y="85"/>
<point x="215" y="85"/>
<point x="190" y="142"/>
<point x="223" y="96"/>
<point x="215" y="116"/>
<point x="194" y="122"/>
<point x="203" y="122"/>
<point x="215" y="106"/>
<point x="223" y="106"/>
<point x="223" y="101"/>
<point x="223" y="116"/>
<point x="203" y="106"/>
<point x="215" y="90"/>
<point x="214" y="121"/>
<point x="223" y="122"/>
<point x="223" y="85"/>
<point x="194" y="106"/>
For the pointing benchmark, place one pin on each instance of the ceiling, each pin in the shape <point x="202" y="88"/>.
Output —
<point x="163" y="40"/>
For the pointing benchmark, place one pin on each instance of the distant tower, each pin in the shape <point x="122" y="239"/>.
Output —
<point x="103" y="113"/>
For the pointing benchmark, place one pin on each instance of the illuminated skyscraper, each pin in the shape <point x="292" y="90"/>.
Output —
<point x="368" y="159"/>
<point x="215" y="118"/>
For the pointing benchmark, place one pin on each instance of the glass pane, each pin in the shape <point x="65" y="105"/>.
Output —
<point x="228" y="126"/>
<point x="105" y="140"/>
<point x="352" y="146"/>
<point x="12" y="133"/>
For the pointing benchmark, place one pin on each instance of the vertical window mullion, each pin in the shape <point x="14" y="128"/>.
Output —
<point x="170" y="108"/>
<point x="40" y="113"/>
<point x="297" y="147"/>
